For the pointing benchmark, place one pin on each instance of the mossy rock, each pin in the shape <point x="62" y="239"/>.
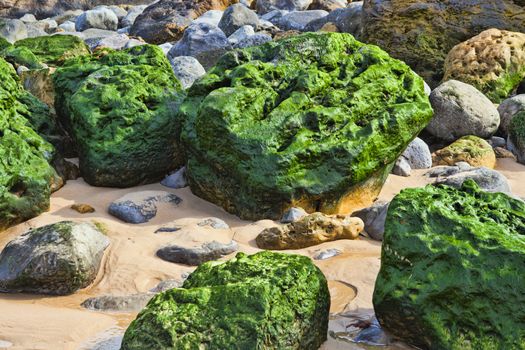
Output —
<point x="120" y="108"/>
<point x="53" y="50"/>
<point x="517" y="136"/>
<point x="470" y="149"/>
<point x="20" y="56"/>
<point x="451" y="269"/>
<point x="25" y="173"/>
<point x="262" y="301"/>
<point x="313" y="121"/>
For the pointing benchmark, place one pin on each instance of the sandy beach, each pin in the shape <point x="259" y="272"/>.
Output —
<point x="131" y="266"/>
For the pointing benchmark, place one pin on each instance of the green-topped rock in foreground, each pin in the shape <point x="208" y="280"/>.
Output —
<point x="25" y="174"/>
<point x="53" y="50"/>
<point x="120" y="108"/>
<point x="312" y="121"/>
<point x="262" y="301"/>
<point x="452" y="269"/>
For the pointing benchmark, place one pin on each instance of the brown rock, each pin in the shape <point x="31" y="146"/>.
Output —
<point x="285" y="34"/>
<point x="493" y="62"/>
<point x="166" y="20"/>
<point x="311" y="230"/>
<point x="422" y="32"/>
<point x="83" y="208"/>
<point x="328" y="5"/>
<point x="471" y="149"/>
<point x="504" y="153"/>
<point x="40" y="84"/>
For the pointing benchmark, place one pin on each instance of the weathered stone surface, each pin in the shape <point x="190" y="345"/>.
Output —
<point x="418" y="155"/>
<point x="273" y="301"/>
<point x="132" y="15"/>
<point x="298" y="20"/>
<point x="236" y="16"/>
<point x="100" y="18"/>
<point x="421" y="33"/>
<point x="123" y="139"/>
<point x="402" y="167"/>
<point x="12" y="29"/>
<point x="54" y="259"/>
<point x="265" y="6"/>
<point x="194" y="256"/>
<point x="461" y="110"/>
<point x="118" y="303"/>
<point x="310" y="230"/>
<point x="327" y="254"/>
<point x="203" y="41"/>
<point x="470" y="149"/>
<point x="262" y="127"/>
<point x="493" y="62"/>
<point x="487" y="179"/>
<point x="292" y="215"/>
<point x="26" y="177"/>
<point x="508" y="109"/>
<point x="517" y="136"/>
<point x="450" y="266"/>
<point x="140" y="207"/>
<point x="252" y="40"/>
<point x="328" y="5"/>
<point x="347" y="20"/>
<point x="374" y="219"/>
<point x="83" y="208"/>
<point x="166" y="20"/>
<point x="187" y="69"/>
<point x="176" y="180"/>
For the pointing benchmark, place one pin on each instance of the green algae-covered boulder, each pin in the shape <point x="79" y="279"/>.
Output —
<point x="25" y="174"/>
<point x="20" y="56"/>
<point x="262" y="301"/>
<point x="517" y="136"/>
<point x="53" y="50"/>
<point x="312" y="121"/>
<point x="120" y="108"/>
<point x="452" y="269"/>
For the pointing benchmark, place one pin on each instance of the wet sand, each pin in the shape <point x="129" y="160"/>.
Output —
<point x="131" y="266"/>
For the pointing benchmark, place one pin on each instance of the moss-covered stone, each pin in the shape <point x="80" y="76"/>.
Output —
<point x="20" y="56"/>
<point x="120" y="108"/>
<point x="517" y="135"/>
<point x="311" y="121"/>
<point x="470" y="149"/>
<point x="263" y="301"/>
<point x="53" y="50"/>
<point x="25" y="174"/>
<point x="451" y="269"/>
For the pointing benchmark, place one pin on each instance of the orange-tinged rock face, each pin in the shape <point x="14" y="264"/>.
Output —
<point x="493" y="62"/>
<point x="471" y="149"/>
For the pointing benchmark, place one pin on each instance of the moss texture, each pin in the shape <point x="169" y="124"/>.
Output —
<point x="263" y="301"/>
<point x="301" y="121"/>
<point x="120" y="108"/>
<point x="517" y="135"/>
<point x="25" y="174"/>
<point x="53" y="50"/>
<point x="471" y="149"/>
<point x="451" y="269"/>
<point x="20" y="56"/>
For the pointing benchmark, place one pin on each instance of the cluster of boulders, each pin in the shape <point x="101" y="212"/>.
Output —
<point x="244" y="104"/>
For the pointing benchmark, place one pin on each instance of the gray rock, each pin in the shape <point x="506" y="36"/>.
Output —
<point x="28" y="18"/>
<point x="461" y="110"/>
<point x="119" y="303"/>
<point x="187" y="69"/>
<point x="134" y="42"/>
<point x="34" y="31"/>
<point x="418" y="154"/>
<point x="12" y="30"/>
<point x="374" y="218"/>
<point x="347" y="20"/>
<point x="166" y="285"/>
<point x="215" y="223"/>
<point x="298" y="20"/>
<point x="489" y="180"/>
<point x="100" y="18"/>
<point x="132" y="15"/>
<point x="196" y="255"/>
<point x="253" y="40"/>
<point x="241" y="34"/>
<point x="508" y="109"/>
<point x="265" y="6"/>
<point x="212" y="17"/>
<point x="293" y="215"/>
<point x="402" y="167"/>
<point x="68" y="26"/>
<point x="124" y="30"/>
<point x="117" y="10"/>
<point x="55" y="259"/>
<point x="115" y="42"/>
<point x="140" y="207"/>
<point x="93" y="35"/>
<point x="204" y="42"/>
<point x="273" y="16"/>
<point x="48" y="25"/>
<point x="373" y="335"/>
<point x="69" y="15"/>
<point x="236" y="16"/>
<point x="166" y="47"/>
<point x="496" y="141"/>
<point x="327" y="254"/>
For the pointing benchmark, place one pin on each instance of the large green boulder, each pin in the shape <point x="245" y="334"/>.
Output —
<point x="313" y="121"/>
<point x="120" y="108"/>
<point x="422" y="32"/>
<point x="262" y="301"/>
<point x="452" y="267"/>
<point x="20" y="56"/>
<point x="53" y="50"/>
<point x="25" y="174"/>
